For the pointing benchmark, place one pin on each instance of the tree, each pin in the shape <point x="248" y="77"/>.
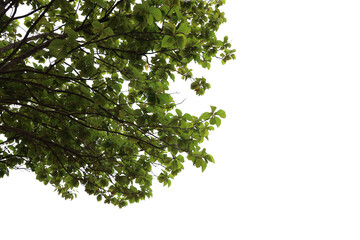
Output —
<point x="84" y="91"/>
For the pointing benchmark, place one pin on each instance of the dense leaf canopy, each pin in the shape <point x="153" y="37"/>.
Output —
<point x="84" y="91"/>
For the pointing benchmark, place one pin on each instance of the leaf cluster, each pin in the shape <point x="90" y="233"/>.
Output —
<point x="84" y="91"/>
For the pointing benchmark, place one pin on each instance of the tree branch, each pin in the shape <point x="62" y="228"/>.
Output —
<point x="14" y="45"/>
<point x="12" y="16"/>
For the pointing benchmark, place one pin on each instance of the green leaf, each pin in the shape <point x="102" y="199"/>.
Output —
<point x="178" y="112"/>
<point x="169" y="28"/>
<point x="217" y="121"/>
<point x="97" y="25"/>
<point x="177" y="11"/>
<point x="187" y="117"/>
<point x="198" y="162"/>
<point x="212" y="121"/>
<point x="203" y="166"/>
<point x="167" y="41"/>
<point x="58" y="48"/>
<point x="100" y="2"/>
<point x="221" y="113"/>
<point x="150" y="19"/>
<point x="156" y="13"/>
<point x="56" y="43"/>
<point x="109" y="31"/>
<point x="184" y="28"/>
<point x="99" y="198"/>
<point x="213" y="108"/>
<point x="71" y="33"/>
<point x="205" y="116"/>
<point x="12" y="148"/>
<point x="210" y="158"/>
<point x="66" y="6"/>
<point x="181" y="40"/>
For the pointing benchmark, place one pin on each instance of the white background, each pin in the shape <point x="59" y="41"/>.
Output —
<point x="287" y="156"/>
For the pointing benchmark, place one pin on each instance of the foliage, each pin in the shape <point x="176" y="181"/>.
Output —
<point x="84" y="91"/>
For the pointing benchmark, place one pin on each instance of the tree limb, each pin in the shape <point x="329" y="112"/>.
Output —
<point x="14" y="45"/>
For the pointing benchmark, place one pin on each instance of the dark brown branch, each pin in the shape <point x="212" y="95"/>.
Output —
<point x="3" y="8"/>
<point x="12" y="16"/>
<point x="44" y="87"/>
<point x="28" y="14"/>
<point x="68" y="115"/>
<point x="22" y="57"/>
<point x="32" y="137"/>
<point x="14" y="45"/>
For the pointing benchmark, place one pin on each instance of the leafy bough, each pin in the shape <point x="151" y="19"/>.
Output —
<point x="84" y="92"/>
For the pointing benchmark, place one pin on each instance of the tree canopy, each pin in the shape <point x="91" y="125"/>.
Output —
<point x="84" y="91"/>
